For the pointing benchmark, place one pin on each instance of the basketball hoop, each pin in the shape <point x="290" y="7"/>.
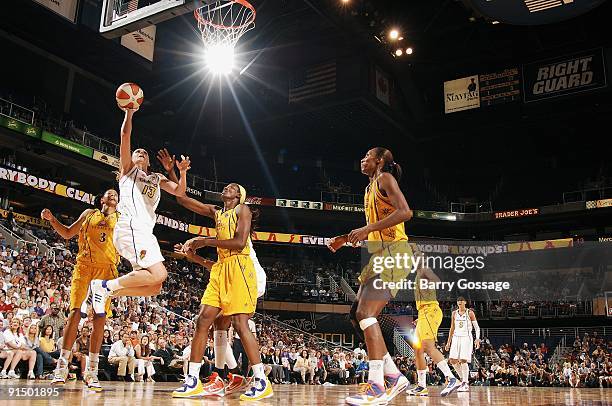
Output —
<point x="223" y="22"/>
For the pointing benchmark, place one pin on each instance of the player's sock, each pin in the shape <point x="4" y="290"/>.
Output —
<point x="443" y="365"/>
<point x="230" y="360"/>
<point x="465" y="373"/>
<point x="194" y="369"/>
<point x="376" y="373"/>
<point x="422" y="378"/>
<point x="111" y="285"/>
<point x="389" y="367"/>
<point x="93" y="362"/>
<point x="65" y="356"/>
<point x="258" y="371"/>
<point x="219" y="346"/>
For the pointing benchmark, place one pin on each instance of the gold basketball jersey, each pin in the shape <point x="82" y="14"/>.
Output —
<point x="377" y="207"/>
<point x="226" y="222"/>
<point x="96" y="239"/>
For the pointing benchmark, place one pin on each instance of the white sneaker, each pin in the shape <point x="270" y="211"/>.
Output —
<point x="31" y="375"/>
<point x="60" y="375"/>
<point x="464" y="387"/>
<point x="3" y="375"/>
<point x="453" y="385"/>
<point x="13" y="375"/>
<point x="138" y="378"/>
<point x="99" y="296"/>
<point x="92" y="382"/>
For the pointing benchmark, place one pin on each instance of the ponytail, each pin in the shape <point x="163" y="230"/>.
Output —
<point x="389" y="164"/>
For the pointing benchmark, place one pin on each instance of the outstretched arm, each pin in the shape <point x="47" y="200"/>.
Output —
<point x="193" y="257"/>
<point x="66" y="232"/>
<point x="401" y="214"/>
<point x="174" y="188"/>
<point x="194" y="205"/>
<point x="243" y="229"/>
<point x="125" y="150"/>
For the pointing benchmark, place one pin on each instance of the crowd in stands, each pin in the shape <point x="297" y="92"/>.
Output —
<point x="149" y="339"/>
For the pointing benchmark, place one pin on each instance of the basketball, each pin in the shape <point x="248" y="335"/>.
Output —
<point x="129" y="96"/>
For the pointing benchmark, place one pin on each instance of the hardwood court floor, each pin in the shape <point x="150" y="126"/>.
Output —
<point x="150" y="394"/>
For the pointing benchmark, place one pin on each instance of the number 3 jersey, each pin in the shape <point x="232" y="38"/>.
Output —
<point x="96" y="240"/>
<point x="139" y="195"/>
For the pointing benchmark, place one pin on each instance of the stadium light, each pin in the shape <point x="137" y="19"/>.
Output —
<point x="345" y="1"/>
<point x="409" y="51"/>
<point x="399" y="52"/>
<point x="393" y="34"/>
<point x="219" y="58"/>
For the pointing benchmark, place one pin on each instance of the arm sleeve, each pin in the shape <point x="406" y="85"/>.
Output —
<point x="476" y="329"/>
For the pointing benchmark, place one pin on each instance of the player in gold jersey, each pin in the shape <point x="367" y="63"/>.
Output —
<point x="386" y="210"/>
<point x="97" y="259"/>
<point x="427" y="324"/>
<point x="231" y="290"/>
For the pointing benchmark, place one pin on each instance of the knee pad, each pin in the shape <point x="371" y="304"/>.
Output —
<point x="365" y="323"/>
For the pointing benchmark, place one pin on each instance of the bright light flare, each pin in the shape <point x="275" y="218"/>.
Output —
<point x="409" y="51"/>
<point x="394" y="34"/>
<point x="219" y="58"/>
<point x="399" y="52"/>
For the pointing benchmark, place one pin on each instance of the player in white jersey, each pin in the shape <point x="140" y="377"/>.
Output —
<point x="460" y="341"/>
<point x="139" y="195"/>
<point x="223" y="351"/>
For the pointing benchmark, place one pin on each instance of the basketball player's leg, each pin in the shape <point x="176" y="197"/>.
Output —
<point x="428" y="323"/>
<point x="193" y="386"/>
<point x="371" y="302"/>
<point x="78" y="293"/>
<point x="209" y="310"/>
<point x="141" y="282"/>
<point x="262" y="388"/>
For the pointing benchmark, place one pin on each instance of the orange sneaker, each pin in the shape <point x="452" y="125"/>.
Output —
<point x="211" y="379"/>
<point x="215" y="387"/>
<point x="237" y="383"/>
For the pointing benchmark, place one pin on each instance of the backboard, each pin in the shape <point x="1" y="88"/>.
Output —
<point x="121" y="17"/>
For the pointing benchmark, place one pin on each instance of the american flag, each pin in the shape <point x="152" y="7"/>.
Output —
<point x="315" y="81"/>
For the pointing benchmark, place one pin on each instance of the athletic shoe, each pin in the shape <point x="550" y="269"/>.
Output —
<point x="260" y="389"/>
<point x="92" y="382"/>
<point x="395" y="384"/>
<point x="13" y="375"/>
<point x="59" y="376"/>
<point x="3" y="375"/>
<point x="237" y="383"/>
<point x="369" y="394"/>
<point x="464" y="387"/>
<point x="99" y="295"/>
<point x="192" y="388"/>
<point x="211" y="380"/>
<point x="453" y="385"/>
<point x="149" y="379"/>
<point x="215" y="387"/>
<point x="138" y="378"/>
<point x="31" y="375"/>
<point x="417" y="391"/>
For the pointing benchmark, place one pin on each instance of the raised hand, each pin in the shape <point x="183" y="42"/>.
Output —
<point x="167" y="161"/>
<point x="46" y="215"/>
<point x="184" y="165"/>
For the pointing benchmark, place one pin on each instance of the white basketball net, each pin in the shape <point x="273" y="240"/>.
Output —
<point x="222" y="23"/>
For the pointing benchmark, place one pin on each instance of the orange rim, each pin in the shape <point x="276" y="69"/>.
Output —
<point x="200" y="18"/>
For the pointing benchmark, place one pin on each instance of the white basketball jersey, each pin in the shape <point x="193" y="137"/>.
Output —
<point x="261" y="274"/>
<point x="463" y="324"/>
<point x="139" y="195"/>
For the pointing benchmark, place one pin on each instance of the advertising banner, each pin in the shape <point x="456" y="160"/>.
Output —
<point x="562" y="76"/>
<point x="141" y="42"/>
<point x="106" y="158"/>
<point x="66" y="144"/>
<point x="516" y="213"/>
<point x="461" y="94"/>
